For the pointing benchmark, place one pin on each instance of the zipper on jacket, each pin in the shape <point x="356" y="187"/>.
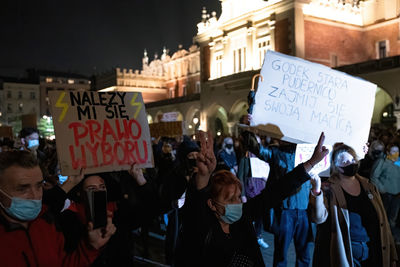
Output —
<point x="26" y="259"/>
<point x="31" y="245"/>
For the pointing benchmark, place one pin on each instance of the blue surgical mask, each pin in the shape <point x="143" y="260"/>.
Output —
<point x="33" y="143"/>
<point x="233" y="212"/>
<point x="23" y="209"/>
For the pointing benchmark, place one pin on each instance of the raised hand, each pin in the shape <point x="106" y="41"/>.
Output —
<point x="97" y="238"/>
<point x="320" y="151"/>
<point x="206" y="161"/>
<point x="73" y="180"/>
<point x="316" y="183"/>
<point x="137" y="174"/>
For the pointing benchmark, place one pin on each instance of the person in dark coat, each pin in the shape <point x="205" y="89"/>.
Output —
<point x="217" y="227"/>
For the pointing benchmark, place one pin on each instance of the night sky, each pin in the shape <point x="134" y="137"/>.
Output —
<point x="89" y="36"/>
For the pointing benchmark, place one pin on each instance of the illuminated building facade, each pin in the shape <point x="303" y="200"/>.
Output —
<point x="162" y="78"/>
<point x="18" y="97"/>
<point x="54" y="80"/>
<point x="363" y="35"/>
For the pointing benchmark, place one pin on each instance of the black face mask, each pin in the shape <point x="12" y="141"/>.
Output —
<point x="192" y="163"/>
<point x="376" y="154"/>
<point x="229" y="146"/>
<point x="350" y="170"/>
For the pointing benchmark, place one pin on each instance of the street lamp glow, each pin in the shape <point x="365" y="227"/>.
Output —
<point x="219" y="133"/>
<point x="195" y="120"/>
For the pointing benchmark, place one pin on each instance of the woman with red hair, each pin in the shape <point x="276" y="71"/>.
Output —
<point x="217" y="227"/>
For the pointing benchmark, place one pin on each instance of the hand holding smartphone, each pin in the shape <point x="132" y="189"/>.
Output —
<point x="96" y="208"/>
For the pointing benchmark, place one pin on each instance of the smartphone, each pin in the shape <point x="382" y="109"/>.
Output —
<point x="62" y="179"/>
<point x="96" y="208"/>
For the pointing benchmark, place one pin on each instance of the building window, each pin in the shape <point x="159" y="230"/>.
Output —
<point x="49" y="80"/>
<point x="9" y="107"/>
<point x="262" y="47"/>
<point x="171" y="93"/>
<point x="9" y="95"/>
<point x="198" y="88"/>
<point x="218" y="65"/>
<point x="334" y="60"/>
<point x="19" y="95"/>
<point x="70" y="81"/>
<point x="184" y="90"/>
<point x="239" y="59"/>
<point x="382" y="47"/>
<point x="32" y="95"/>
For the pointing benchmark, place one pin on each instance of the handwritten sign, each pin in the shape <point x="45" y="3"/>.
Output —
<point x="166" y="129"/>
<point x="170" y="116"/>
<point x="304" y="153"/>
<point x="100" y="131"/>
<point x="259" y="168"/>
<point x="297" y="100"/>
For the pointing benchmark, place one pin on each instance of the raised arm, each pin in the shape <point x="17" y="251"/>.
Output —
<point x="206" y="161"/>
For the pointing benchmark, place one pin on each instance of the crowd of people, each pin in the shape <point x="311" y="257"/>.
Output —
<point x="215" y="210"/>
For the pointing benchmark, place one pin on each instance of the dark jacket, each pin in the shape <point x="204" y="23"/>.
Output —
<point x="202" y="241"/>
<point x="39" y="245"/>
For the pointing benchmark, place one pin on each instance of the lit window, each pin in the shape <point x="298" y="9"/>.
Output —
<point x="71" y="81"/>
<point x="184" y="90"/>
<point x="239" y="59"/>
<point x="171" y="93"/>
<point x="382" y="49"/>
<point x="334" y="60"/>
<point x="198" y="88"/>
<point x="49" y="80"/>
<point x="218" y="65"/>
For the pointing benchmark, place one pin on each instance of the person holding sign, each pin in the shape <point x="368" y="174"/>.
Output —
<point x="28" y="235"/>
<point x="353" y="228"/>
<point x="290" y="220"/>
<point x="217" y="227"/>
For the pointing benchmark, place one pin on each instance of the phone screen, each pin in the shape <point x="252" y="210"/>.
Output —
<point x="99" y="209"/>
<point x="62" y="179"/>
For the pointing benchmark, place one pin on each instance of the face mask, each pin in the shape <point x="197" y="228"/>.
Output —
<point x="376" y="154"/>
<point x="23" y="209"/>
<point x="33" y="143"/>
<point x="229" y="146"/>
<point x="350" y="170"/>
<point x="192" y="163"/>
<point x="233" y="212"/>
<point x="393" y="156"/>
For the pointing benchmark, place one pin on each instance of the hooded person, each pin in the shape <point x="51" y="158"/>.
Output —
<point x="186" y="159"/>
<point x="227" y="156"/>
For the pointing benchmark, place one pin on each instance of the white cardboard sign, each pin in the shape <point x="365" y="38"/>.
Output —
<point x="297" y="100"/>
<point x="304" y="153"/>
<point x="259" y="168"/>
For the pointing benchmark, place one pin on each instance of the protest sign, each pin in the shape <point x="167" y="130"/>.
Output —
<point x="100" y="131"/>
<point x="170" y="116"/>
<point x="297" y="100"/>
<point x="304" y="153"/>
<point x="6" y="131"/>
<point x="259" y="168"/>
<point x="167" y="129"/>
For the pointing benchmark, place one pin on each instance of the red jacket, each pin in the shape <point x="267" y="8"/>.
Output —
<point x="39" y="245"/>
